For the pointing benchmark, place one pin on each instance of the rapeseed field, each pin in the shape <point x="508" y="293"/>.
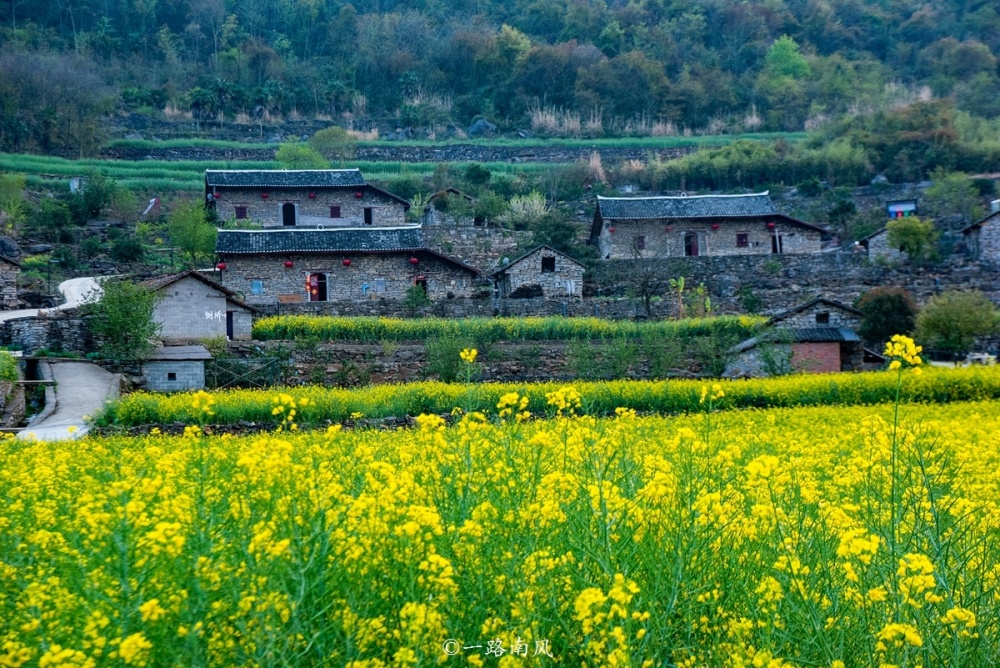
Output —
<point x="811" y="536"/>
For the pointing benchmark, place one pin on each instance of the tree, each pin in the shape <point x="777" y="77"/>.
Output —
<point x="300" y="156"/>
<point x="885" y="312"/>
<point x="953" y="194"/>
<point x="952" y="320"/>
<point x="190" y="233"/>
<point x="12" y="205"/>
<point x="333" y="143"/>
<point x="122" y="318"/>
<point x="917" y="238"/>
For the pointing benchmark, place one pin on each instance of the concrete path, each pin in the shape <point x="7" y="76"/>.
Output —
<point x="81" y="390"/>
<point x="74" y="292"/>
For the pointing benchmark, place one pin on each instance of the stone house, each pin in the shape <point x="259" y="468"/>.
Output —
<point x="982" y="238"/>
<point x="176" y="369"/>
<point x="291" y="266"/>
<point x="193" y="306"/>
<point x="316" y="198"/>
<point x="877" y="246"/>
<point x="9" y="270"/>
<point x="555" y="273"/>
<point x="816" y="337"/>
<point x="627" y="228"/>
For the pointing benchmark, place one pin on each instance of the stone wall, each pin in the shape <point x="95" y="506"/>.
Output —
<point x="985" y="240"/>
<point x="369" y="278"/>
<point x="312" y="211"/>
<point x="8" y="285"/>
<point x="565" y="280"/>
<point x="189" y="309"/>
<point x="57" y="330"/>
<point x="401" y="153"/>
<point x="480" y="247"/>
<point x="652" y="239"/>
<point x="781" y="282"/>
<point x="186" y="375"/>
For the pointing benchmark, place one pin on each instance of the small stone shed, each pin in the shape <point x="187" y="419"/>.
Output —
<point x="302" y="198"/>
<point x="877" y="246"/>
<point x="816" y="337"/>
<point x="193" y="306"/>
<point x="557" y="274"/>
<point x="176" y="368"/>
<point x="297" y="266"/>
<point x="982" y="238"/>
<point x="628" y="228"/>
<point x="9" y="269"/>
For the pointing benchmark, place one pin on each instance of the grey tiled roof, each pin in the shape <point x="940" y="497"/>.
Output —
<point x="261" y="242"/>
<point x="799" y="335"/>
<point x="290" y="178"/>
<point x="180" y="353"/>
<point x="702" y="206"/>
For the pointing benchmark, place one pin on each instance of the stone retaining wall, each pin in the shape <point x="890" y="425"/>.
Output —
<point x="57" y="330"/>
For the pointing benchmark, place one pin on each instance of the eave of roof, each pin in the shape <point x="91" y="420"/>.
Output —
<point x="981" y="222"/>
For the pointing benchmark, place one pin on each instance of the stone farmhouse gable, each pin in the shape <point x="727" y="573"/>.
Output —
<point x="819" y="312"/>
<point x="193" y="306"/>
<point x="293" y="266"/>
<point x="626" y="228"/>
<point x="877" y="246"/>
<point x="555" y="273"/>
<point x="9" y="269"/>
<point x="982" y="238"/>
<point x="317" y="198"/>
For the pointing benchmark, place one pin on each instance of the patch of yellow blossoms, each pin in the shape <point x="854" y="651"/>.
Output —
<point x="733" y="539"/>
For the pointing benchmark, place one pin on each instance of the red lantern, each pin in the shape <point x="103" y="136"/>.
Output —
<point x="359" y="194"/>
<point x="414" y="260"/>
<point x="263" y="195"/>
<point x="611" y="229"/>
<point x="715" y="226"/>
<point x="312" y="195"/>
<point x="221" y="266"/>
<point x="346" y="262"/>
<point x="770" y="226"/>
<point x="669" y="228"/>
<point x="289" y="264"/>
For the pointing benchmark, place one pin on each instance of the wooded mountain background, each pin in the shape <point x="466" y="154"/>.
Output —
<point x="585" y="67"/>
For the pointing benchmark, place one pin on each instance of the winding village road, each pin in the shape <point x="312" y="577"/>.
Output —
<point x="81" y="388"/>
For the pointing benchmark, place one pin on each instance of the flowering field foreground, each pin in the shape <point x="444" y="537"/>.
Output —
<point x="819" y="536"/>
<point x="598" y="398"/>
<point x="484" y="330"/>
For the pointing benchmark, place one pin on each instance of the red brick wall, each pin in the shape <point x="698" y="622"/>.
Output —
<point x="816" y="357"/>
